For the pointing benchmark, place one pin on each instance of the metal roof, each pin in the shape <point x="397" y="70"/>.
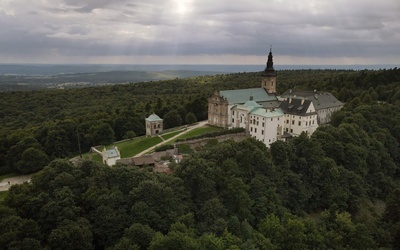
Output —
<point x="111" y="153"/>
<point x="241" y="96"/>
<point x="153" y="118"/>
<point x="320" y="99"/>
<point x="296" y="106"/>
<point x="251" y="104"/>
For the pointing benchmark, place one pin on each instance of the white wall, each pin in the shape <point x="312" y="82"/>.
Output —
<point x="265" y="129"/>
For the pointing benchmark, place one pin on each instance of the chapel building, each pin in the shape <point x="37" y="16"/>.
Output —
<point x="154" y="125"/>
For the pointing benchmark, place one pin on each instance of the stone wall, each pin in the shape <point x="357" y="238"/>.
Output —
<point x="196" y="143"/>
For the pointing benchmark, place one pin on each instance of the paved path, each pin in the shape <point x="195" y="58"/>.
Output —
<point x="198" y="125"/>
<point x="6" y="183"/>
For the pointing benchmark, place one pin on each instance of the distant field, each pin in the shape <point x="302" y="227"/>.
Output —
<point x="34" y="81"/>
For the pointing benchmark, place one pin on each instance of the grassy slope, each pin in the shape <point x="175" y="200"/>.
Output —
<point x="3" y="195"/>
<point x="129" y="148"/>
<point x="132" y="147"/>
<point x="170" y="135"/>
<point x="198" y="131"/>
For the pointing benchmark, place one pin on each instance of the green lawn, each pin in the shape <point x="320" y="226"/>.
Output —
<point x="93" y="157"/>
<point x="199" y="131"/>
<point x="127" y="148"/>
<point x="172" y="134"/>
<point x="132" y="148"/>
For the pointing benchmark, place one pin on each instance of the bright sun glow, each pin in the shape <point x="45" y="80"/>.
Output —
<point x="182" y="6"/>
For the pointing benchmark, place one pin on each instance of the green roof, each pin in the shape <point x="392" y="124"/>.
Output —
<point x="112" y="153"/>
<point x="251" y="104"/>
<point x="241" y="96"/>
<point x="153" y="118"/>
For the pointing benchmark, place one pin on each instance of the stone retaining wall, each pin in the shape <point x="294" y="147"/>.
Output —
<point x="193" y="144"/>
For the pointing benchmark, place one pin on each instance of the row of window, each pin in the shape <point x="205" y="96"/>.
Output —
<point x="305" y="117"/>
<point x="256" y="117"/>
<point x="155" y="125"/>
<point x="253" y="121"/>
<point x="299" y="123"/>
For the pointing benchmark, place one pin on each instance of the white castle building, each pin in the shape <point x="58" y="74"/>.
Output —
<point x="267" y="117"/>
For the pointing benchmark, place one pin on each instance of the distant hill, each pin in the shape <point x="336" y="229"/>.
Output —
<point x="22" y="77"/>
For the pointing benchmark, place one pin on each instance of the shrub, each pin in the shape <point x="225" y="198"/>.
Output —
<point x="164" y="147"/>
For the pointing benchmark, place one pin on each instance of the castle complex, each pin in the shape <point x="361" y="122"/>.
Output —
<point x="268" y="117"/>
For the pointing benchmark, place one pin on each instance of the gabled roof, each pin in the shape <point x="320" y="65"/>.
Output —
<point x="153" y="118"/>
<point x="320" y="99"/>
<point x="296" y="106"/>
<point x="241" y="96"/>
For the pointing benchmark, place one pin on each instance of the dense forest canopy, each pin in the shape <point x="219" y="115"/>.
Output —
<point x="52" y="121"/>
<point x="338" y="189"/>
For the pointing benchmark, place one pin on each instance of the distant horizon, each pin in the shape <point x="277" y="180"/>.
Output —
<point x="190" y="64"/>
<point x="56" y="69"/>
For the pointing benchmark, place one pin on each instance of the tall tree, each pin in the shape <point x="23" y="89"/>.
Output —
<point x="172" y="119"/>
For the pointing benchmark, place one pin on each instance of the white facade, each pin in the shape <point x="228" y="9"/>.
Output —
<point x="111" y="156"/>
<point x="324" y="102"/>
<point x="265" y="125"/>
<point x="297" y="122"/>
<point x="154" y="125"/>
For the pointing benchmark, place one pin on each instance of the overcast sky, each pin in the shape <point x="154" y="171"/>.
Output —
<point x="200" y="31"/>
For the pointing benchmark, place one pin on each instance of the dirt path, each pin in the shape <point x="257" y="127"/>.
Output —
<point x="200" y="124"/>
<point x="6" y="183"/>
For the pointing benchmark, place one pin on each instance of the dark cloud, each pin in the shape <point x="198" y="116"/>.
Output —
<point x="305" y="29"/>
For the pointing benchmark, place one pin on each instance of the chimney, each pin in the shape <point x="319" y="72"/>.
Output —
<point x="302" y="101"/>
<point x="290" y="100"/>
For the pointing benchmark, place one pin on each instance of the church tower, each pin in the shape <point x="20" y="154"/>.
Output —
<point x="268" y="77"/>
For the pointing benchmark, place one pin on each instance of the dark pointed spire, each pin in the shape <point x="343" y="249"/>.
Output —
<point x="269" y="69"/>
<point x="270" y="63"/>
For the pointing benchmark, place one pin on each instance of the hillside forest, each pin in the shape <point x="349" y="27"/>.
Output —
<point x="338" y="189"/>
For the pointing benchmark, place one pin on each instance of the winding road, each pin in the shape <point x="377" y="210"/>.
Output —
<point x="6" y="183"/>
